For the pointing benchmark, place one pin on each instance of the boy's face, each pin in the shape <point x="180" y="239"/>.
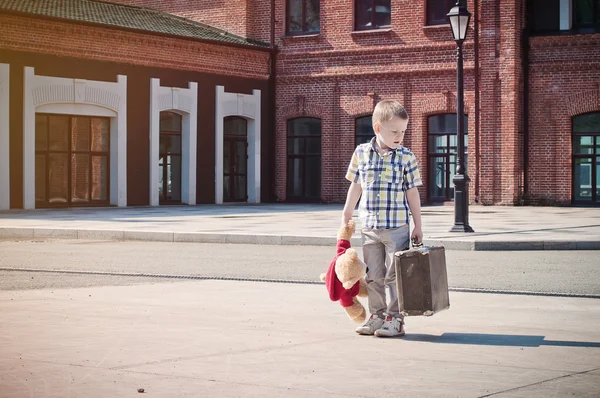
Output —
<point x="391" y="132"/>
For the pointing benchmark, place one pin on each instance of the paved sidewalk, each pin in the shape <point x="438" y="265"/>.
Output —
<point x="496" y="228"/>
<point x="288" y="340"/>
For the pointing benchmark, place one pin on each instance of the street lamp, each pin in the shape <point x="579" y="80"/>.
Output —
<point x="459" y="20"/>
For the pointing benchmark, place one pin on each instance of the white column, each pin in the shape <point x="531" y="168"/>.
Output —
<point x="254" y="155"/>
<point x="219" y="114"/>
<point x="190" y="139"/>
<point x="154" y="140"/>
<point x="28" y="140"/>
<point x="4" y="137"/>
<point x="566" y="14"/>
<point x="121" y="144"/>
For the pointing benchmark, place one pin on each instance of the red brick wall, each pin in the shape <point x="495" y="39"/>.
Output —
<point x="246" y="18"/>
<point x="331" y="75"/>
<point x="564" y="82"/>
<point x="90" y="42"/>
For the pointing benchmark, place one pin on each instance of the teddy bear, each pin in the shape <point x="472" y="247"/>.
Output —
<point x="345" y="277"/>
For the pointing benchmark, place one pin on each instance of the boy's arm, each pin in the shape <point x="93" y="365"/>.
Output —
<point x="354" y="193"/>
<point x="414" y="203"/>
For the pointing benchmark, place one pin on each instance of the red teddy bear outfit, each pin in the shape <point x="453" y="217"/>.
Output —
<point x="334" y="286"/>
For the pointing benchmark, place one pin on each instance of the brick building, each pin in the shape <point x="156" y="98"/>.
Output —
<point x="532" y="92"/>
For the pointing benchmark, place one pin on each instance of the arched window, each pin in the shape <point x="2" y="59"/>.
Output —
<point x="586" y="159"/>
<point x="235" y="159"/>
<point x="169" y="158"/>
<point x="363" y="130"/>
<point x="304" y="159"/>
<point x="442" y="155"/>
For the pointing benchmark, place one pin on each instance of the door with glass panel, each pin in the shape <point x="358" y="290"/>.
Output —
<point x="169" y="159"/>
<point x="442" y="156"/>
<point x="304" y="160"/>
<point x="72" y="160"/>
<point x="235" y="159"/>
<point x="586" y="159"/>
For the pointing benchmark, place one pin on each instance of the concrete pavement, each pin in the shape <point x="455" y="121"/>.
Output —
<point x="496" y="228"/>
<point x="252" y="339"/>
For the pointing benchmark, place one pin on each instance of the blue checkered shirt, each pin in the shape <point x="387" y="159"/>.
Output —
<point x="384" y="181"/>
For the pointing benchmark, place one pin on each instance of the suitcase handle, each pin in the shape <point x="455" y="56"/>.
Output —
<point x="415" y="244"/>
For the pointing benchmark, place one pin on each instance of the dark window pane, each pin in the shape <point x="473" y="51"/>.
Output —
<point x="363" y="14"/>
<point x="598" y="179"/>
<point x="170" y="143"/>
<point x="363" y="129"/>
<point x="437" y="176"/>
<point x="170" y="121"/>
<point x="80" y="178"/>
<point x="437" y="11"/>
<point x="438" y="143"/>
<point x="40" y="178"/>
<point x="100" y="178"/>
<point x="587" y="123"/>
<point x="227" y="157"/>
<point x="240" y="157"/>
<point x="100" y="135"/>
<point x="383" y="13"/>
<point x="80" y="134"/>
<point x="313" y="146"/>
<point x="313" y="177"/>
<point x="582" y="184"/>
<point x="304" y="127"/>
<point x="226" y="188"/>
<point x="583" y="145"/>
<point x="584" y="13"/>
<point x="295" y="15"/>
<point x="235" y="126"/>
<point x="312" y="16"/>
<point x="58" y="134"/>
<point x="58" y="175"/>
<point x="446" y="124"/>
<point x="240" y="188"/>
<point x="295" y="177"/>
<point x="41" y="132"/>
<point x="296" y="146"/>
<point x="545" y="15"/>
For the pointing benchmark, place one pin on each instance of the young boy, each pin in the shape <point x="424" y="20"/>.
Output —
<point x="385" y="176"/>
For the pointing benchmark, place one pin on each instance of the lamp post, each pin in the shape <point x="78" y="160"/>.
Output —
<point x="459" y="20"/>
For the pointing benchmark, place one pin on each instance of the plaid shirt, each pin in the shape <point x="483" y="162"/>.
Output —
<point x="384" y="181"/>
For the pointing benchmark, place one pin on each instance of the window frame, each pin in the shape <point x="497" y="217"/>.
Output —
<point x="595" y="160"/>
<point x="176" y="133"/>
<point x="373" y="18"/>
<point x="303" y="197"/>
<point x="304" y="31"/>
<point x="447" y="155"/>
<point x="228" y="138"/>
<point x="428" y="8"/>
<point x="70" y="151"/>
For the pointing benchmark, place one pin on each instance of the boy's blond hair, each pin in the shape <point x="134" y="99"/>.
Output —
<point x="386" y="110"/>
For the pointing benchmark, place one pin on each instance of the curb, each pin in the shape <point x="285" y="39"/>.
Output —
<point x="286" y="240"/>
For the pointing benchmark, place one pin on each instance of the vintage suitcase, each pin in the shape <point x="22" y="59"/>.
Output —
<point x="422" y="280"/>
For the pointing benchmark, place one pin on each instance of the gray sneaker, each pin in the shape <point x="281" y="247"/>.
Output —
<point x="369" y="328"/>
<point x="392" y="327"/>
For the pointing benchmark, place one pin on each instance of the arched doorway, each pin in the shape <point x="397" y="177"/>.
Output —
<point x="235" y="159"/>
<point x="169" y="158"/>
<point x="442" y="153"/>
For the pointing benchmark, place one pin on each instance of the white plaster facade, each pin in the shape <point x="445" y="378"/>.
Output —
<point x="184" y="102"/>
<point x="4" y="137"/>
<point x="248" y="107"/>
<point x="45" y="94"/>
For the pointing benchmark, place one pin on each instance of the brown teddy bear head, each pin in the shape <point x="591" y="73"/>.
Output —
<point x="349" y="268"/>
<point x="346" y="231"/>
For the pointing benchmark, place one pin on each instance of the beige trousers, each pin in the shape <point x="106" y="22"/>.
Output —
<point x="379" y="246"/>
